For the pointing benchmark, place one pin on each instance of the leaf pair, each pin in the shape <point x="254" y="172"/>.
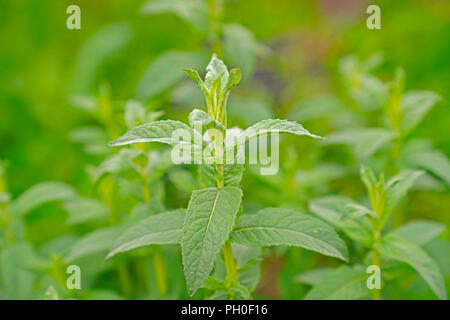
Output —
<point x="209" y="220"/>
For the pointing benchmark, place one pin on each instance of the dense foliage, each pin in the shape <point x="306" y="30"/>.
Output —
<point x="87" y="176"/>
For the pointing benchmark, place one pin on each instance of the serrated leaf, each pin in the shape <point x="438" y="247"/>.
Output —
<point x="278" y="226"/>
<point x="84" y="210"/>
<point x="343" y="283"/>
<point x="232" y="174"/>
<point x="158" y="131"/>
<point x="420" y="232"/>
<point x="193" y="12"/>
<point x="394" y="247"/>
<point x="364" y="141"/>
<point x="163" y="228"/>
<point x="96" y="242"/>
<point x="415" y="105"/>
<point x="40" y="194"/>
<point x="333" y="209"/>
<point x="165" y="71"/>
<point x="269" y="126"/>
<point x="210" y="217"/>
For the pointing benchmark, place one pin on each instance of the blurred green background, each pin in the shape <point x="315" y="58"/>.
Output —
<point x="298" y="51"/>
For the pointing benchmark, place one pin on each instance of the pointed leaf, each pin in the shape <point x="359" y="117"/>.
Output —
<point x="420" y="232"/>
<point x="40" y="194"/>
<point x="210" y="217"/>
<point x="343" y="283"/>
<point x="158" y="131"/>
<point x="394" y="247"/>
<point x="278" y="226"/>
<point x="163" y="228"/>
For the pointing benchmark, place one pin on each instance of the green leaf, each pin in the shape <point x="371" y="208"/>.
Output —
<point x="432" y="160"/>
<point x="240" y="47"/>
<point x="16" y="277"/>
<point x="278" y="226"/>
<point x="165" y="71"/>
<point x="420" y="232"/>
<point x="84" y="210"/>
<point x="193" y="74"/>
<point x="214" y="70"/>
<point x="193" y="12"/>
<point x="269" y="126"/>
<point x="394" y="247"/>
<point x="40" y="194"/>
<point x="163" y="228"/>
<point x="415" y="105"/>
<point x="249" y="110"/>
<point x="158" y="131"/>
<point x="96" y="51"/>
<point x="232" y="174"/>
<point x="314" y="276"/>
<point x="364" y="141"/>
<point x="96" y="242"/>
<point x="343" y="283"/>
<point x="209" y="220"/>
<point x="121" y="162"/>
<point x="333" y="209"/>
<point x="135" y="114"/>
<point x="397" y="187"/>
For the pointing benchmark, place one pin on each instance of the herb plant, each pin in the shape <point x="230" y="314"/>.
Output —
<point x="214" y="218"/>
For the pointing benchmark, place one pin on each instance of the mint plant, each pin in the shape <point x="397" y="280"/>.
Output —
<point x="383" y="247"/>
<point x="214" y="221"/>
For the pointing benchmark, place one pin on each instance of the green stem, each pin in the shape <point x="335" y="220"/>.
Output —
<point x="376" y="293"/>
<point x="230" y="264"/>
<point x="160" y="273"/>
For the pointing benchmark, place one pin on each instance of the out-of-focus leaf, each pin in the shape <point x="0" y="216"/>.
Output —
<point x="40" y="194"/>
<point x="394" y="247"/>
<point x="97" y="242"/>
<point x="320" y="174"/>
<point x="415" y="105"/>
<point x="94" y="139"/>
<point x="16" y="277"/>
<point x="343" y="283"/>
<point x="183" y="180"/>
<point x="97" y="49"/>
<point x="240" y="47"/>
<point x="165" y="71"/>
<point x="249" y="110"/>
<point x="313" y="277"/>
<point x="163" y="228"/>
<point x="364" y="141"/>
<point x="334" y="208"/>
<point x="420" y="232"/>
<point x="324" y="106"/>
<point x="122" y="161"/>
<point x="194" y="11"/>
<point x="84" y="210"/>
<point x="432" y="160"/>
<point x="278" y="226"/>
<point x="397" y="187"/>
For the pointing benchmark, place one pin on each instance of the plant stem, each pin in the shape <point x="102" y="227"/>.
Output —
<point x="230" y="264"/>
<point x="160" y="273"/>
<point x="376" y="293"/>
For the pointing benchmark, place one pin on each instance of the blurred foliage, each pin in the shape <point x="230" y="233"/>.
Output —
<point x="380" y="96"/>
